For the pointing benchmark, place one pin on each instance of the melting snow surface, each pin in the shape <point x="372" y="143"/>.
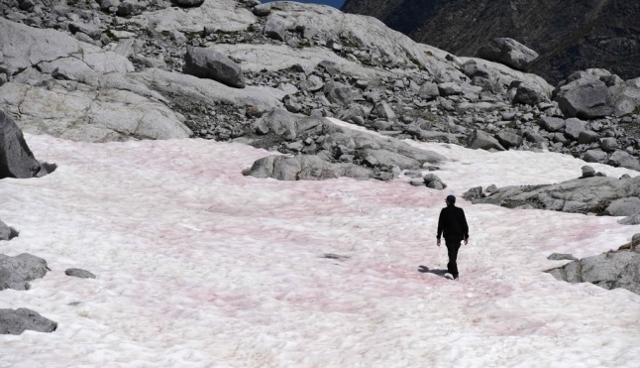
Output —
<point x="199" y="266"/>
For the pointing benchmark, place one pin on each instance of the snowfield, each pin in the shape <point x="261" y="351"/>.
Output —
<point x="199" y="266"/>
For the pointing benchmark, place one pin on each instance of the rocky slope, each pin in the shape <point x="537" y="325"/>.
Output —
<point x="104" y="71"/>
<point x="584" y="34"/>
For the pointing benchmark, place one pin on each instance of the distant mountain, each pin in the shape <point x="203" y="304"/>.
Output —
<point x="569" y="35"/>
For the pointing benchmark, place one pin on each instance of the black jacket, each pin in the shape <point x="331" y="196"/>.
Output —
<point x="453" y="224"/>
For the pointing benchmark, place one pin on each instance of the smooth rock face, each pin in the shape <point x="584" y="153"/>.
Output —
<point x="207" y="63"/>
<point x="80" y="273"/>
<point x="16" y="159"/>
<point x="16" y="321"/>
<point x="611" y="270"/>
<point x="509" y="52"/>
<point x="7" y="232"/>
<point x="16" y="272"/>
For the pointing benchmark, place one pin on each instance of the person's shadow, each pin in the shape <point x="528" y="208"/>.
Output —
<point x="435" y="271"/>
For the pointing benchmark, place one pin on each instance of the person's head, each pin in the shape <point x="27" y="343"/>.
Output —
<point x="451" y="200"/>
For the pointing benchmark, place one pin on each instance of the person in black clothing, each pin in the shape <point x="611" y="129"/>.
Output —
<point x="453" y="224"/>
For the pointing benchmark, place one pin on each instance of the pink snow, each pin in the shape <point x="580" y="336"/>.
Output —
<point x="200" y="266"/>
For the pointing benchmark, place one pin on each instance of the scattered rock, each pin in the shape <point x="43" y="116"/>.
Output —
<point x="7" y="232"/>
<point x="479" y="139"/>
<point x="207" y="63"/>
<point x="588" y="172"/>
<point x="304" y="167"/>
<point x="16" y="272"/>
<point x="434" y="182"/>
<point x="16" y="321"/>
<point x="552" y="124"/>
<point x="473" y="194"/>
<point x="561" y="257"/>
<point x="78" y="272"/>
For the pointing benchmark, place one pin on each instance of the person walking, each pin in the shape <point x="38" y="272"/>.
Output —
<point x="453" y="225"/>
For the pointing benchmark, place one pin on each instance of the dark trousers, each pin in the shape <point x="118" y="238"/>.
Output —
<point x="453" y="245"/>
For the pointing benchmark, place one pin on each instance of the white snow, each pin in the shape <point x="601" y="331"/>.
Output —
<point x="199" y="266"/>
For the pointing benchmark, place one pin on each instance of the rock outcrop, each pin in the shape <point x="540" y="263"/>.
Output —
<point x="610" y="270"/>
<point x="600" y="195"/>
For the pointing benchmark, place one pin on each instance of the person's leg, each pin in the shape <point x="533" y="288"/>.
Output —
<point x="452" y="266"/>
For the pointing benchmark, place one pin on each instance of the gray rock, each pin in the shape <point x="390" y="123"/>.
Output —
<point x="386" y="158"/>
<point x="624" y="159"/>
<point x="611" y="270"/>
<point x="630" y="220"/>
<point x="586" y="195"/>
<point x="573" y="128"/>
<point x="16" y="321"/>
<point x="552" y="124"/>
<point x="80" y="273"/>
<point x="528" y="95"/>
<point x="429" y="91"/>
<point x="586" y="98"/>
<point x="304" y="167"/>
<point x="479" y="139"/>
<point x="588" y="172"/>
<point x="275" y="27"/>
<point x="16" y="272"/>
<point x="561" y="257"/>
<point x="207" y="63"/>
<point x="491" y="189"/>
<point x="588" y="136"/>
<point x="434" y="182"/>
<point x="509" y="52"/>
<point x="7" y="232"/>
<point x="449" y="89"/>
<point x="473" y="194"/>
<point x="16" y="159"/>
<point x="384" y="111"/>
<point x="596" y="155"/>
<point x="188" y="3"/>
<point x="339" y="93"/>
<point x="509" y="139"/>
<point x="624" y="207"/>
<point x="609" y="144"/>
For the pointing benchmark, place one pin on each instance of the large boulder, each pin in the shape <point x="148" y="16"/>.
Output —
<point x="188" y="3"/>
<point x="509" y="52"/>
<point x="16" y="272"/>
<point x="204" y="62"/>
<point x="595" y="93"/>
<point x="16" y="321"/>
<point x="16" y="159"/>
<point x="624" y="207"/>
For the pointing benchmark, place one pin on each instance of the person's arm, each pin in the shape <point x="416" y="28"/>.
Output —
<point x="465" y="226"/>
<point x="440" y="226"/>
